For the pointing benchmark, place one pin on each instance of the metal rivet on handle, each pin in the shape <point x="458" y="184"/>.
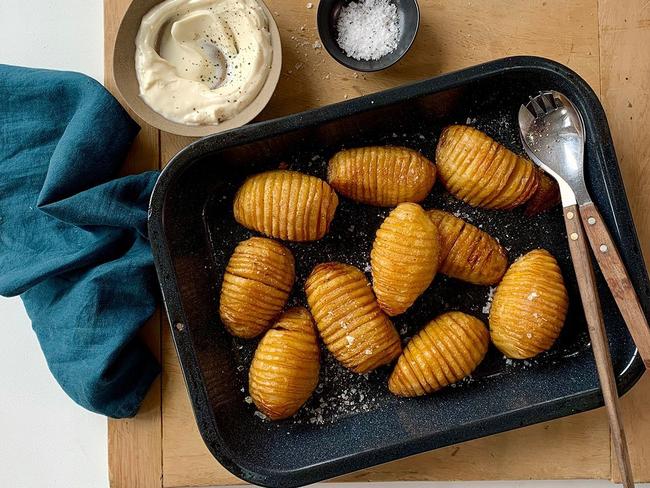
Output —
<point x="574" y="237"/>
<point x="591" y="220"/>
<point x="569" y="215"/>
<point x="603" y="248"/>
<point x="179" y="327"/>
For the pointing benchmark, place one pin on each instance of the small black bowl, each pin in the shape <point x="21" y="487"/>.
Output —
<point x="409" y="21"/>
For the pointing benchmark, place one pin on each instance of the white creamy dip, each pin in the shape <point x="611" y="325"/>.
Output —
<point x="200" y="62"/>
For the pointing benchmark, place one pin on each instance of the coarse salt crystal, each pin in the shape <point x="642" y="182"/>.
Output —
<point x="350" y="339"/>
<point x="368" y="29"/>
<point x="488" y="305"/>
<point x="532" y="296"/>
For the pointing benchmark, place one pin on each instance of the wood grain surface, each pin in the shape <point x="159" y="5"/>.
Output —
<point x="625" y="94"/>
<point x="161" y="445"/>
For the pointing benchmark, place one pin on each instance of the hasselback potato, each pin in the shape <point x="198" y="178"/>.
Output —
<point x="545" y="197"/>
<point x="287" y="205"/>
<point x="257" y="282"/>
<point x="480" y="171"/>
<point x="349" y="320"/>
<point x="466" y="252"/>
<point x="284" y="370"/>
<point x="404" y="258"/>
<point x="381" y="175"/>
<point x="529" y="306"/>
<point x="445" y="351"/>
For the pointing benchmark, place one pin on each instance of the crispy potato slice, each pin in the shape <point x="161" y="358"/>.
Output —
<point x="480" y="171"/>
<point x="256" y="285"/>
<point x="404" y="257"/>
<point x="381" y="175"/>
<point x="349" y="320"/>
<point x="445" y="351"/>
<point x="466" y="252"/>
<point x="529" y="306"/>
<point x="285" y="368"/>
<point x="287" y="205"/>
<point x="545" y="197"/>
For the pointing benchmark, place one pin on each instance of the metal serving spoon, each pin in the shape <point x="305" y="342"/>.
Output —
<point x="553" y="135"/>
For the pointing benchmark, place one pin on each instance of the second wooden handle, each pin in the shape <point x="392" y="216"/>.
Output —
<point x="591" y="304"/>
<point x="617" y="278"/>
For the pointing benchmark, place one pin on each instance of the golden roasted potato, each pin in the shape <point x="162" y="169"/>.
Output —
<point x="446" y="350"/>
<point x="381" y="175"/>
<point x="466" y="252"/>
<point x="349" y="320"/>
<point x="545" y="197"/>
<point x="404" y="257"/>
<point x="480" y="171"/>
<point x="529" y="306"/>
<point x="285" y="368"/>
<point x="257" y="282"/>
<point x="286" y="204"/>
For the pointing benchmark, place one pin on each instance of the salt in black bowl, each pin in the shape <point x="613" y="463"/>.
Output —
<point x="327" y="17"/>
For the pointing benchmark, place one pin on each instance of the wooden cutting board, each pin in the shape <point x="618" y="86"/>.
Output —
<point x="605" y="41"/>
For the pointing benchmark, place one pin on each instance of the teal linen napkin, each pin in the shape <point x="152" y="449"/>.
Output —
<point x="73" y="237"/>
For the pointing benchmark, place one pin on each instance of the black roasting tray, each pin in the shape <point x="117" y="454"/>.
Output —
<point x="352" y="422"/>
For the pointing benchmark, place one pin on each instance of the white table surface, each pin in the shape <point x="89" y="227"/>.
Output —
<point x="45" y="439"/>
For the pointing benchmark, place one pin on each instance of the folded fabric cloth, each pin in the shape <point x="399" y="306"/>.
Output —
<point x="73" y="238"/>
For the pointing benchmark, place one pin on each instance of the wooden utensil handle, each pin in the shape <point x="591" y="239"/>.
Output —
<point x="617" y="278"/>
<point x="591" y="304"/>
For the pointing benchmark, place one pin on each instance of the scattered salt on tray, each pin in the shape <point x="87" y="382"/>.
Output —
<point x="259" y="414"/>
<point x="488" y="304"/>
<point x="368" y="29"/>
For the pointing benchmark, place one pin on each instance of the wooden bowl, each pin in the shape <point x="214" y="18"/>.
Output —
<point x="127" y="85"/>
